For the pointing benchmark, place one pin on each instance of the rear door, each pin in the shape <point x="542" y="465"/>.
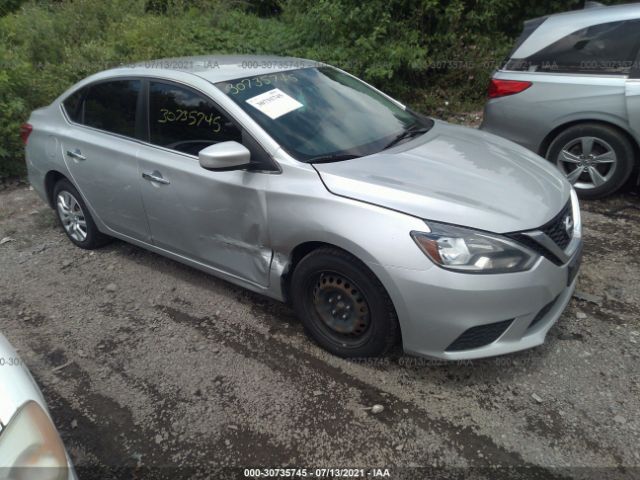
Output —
<point x="99" y="149"/>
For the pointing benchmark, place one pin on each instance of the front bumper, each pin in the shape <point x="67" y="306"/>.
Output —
<point x="516" y="310"/>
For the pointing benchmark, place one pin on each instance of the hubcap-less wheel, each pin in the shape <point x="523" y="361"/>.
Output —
<point x="341" y="307"/>
<point x="72" y="216"/>
<point x="588" y="162"/>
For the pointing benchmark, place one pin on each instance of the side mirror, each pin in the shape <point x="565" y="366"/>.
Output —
<point x="224" y="156"/>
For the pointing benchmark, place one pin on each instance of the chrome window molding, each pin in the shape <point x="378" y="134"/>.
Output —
<point x="564" y="74"/>
<point x="278" y="169"/>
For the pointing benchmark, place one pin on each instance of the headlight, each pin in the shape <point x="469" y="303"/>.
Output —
<point x="471" y="251"/>
<point x="30" y="447"/>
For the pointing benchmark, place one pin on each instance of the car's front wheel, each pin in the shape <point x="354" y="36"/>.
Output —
<point x="596" y="159"/>
<point x="75" y="217"/>
<point x="342" y="304"/>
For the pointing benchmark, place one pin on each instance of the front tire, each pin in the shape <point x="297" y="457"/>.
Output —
<point x="342" y="305"/>
<point x="75" y="218"/>
<point x="596" y="159"/>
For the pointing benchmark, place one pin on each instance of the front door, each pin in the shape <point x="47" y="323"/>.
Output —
<point x="216" y="218"/>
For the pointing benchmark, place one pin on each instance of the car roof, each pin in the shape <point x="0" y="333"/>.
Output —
<point x="220" y="68"/>
<point x="559" y="25"/>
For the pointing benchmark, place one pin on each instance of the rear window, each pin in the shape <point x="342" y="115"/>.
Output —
<point x="73" y="105"/>
<point x="111" y="106"/>
<point x="608" y="48"/>
<point x="530" y="26"/>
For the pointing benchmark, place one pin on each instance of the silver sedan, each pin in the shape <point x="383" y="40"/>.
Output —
<point x="299" y="181"/>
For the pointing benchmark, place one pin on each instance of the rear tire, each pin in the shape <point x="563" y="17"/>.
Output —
<point x="342" y="305"/>
<point x="75" y="218"/>
<point x="597" y="159"/>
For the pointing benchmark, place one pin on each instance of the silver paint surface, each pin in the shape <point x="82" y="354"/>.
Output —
<point x="244" y="226"/>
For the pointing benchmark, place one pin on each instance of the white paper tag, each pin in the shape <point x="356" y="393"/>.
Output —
<point x="274" y="103"/>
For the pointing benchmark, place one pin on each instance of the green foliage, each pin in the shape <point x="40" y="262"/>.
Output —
<point x="8" y="6"/>
<point x="429" y="53"/>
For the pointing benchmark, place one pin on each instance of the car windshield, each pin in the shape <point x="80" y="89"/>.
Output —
<point x="322" y="114"/>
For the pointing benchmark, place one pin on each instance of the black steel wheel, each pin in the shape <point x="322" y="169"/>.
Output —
<point x="342" y="305"/>
<point x="342" y="309"/>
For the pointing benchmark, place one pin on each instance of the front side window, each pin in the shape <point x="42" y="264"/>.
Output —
<point x="111" y="106"/>
<point x="608" y="48"/>
<point x="322" y="113"/>
<point x="183" y="120"/>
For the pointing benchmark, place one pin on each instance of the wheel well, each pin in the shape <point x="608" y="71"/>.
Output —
<point x="297" y="254"/>
<point x="51" y="178"/>
<point x="546" y="143"/>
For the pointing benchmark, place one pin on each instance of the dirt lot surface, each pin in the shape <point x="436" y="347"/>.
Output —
<point x="149" y="365"/>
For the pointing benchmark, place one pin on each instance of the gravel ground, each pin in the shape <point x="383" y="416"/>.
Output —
<point x="150" y="366"/>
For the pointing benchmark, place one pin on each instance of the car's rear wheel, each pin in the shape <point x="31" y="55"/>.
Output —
<point x="342" y="305"/>
<point x="75" y="217"/>
<point x="596" y="159"/>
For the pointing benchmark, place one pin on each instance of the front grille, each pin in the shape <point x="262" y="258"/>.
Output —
<point x="536" y="247"/>
<point x="477" y="337"/>
<point x="542" y="313"/>
<point x="556" y="230"/>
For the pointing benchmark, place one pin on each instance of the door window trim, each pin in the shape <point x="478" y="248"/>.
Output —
<point x="142" y="113"/>
<point x="87" y="87"/>
<point x="634" y="74"/>
<point x="565" y="74"/>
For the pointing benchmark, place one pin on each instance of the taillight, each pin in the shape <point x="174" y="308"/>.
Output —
<point x="502" y="88"/>
<point x="25" y="131"/>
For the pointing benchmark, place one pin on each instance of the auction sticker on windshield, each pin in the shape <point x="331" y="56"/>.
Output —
<point x="274" y="103"/>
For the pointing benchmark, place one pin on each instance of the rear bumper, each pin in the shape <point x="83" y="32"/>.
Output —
<point x="37" y="179"/>
<point x="508" y="312"/>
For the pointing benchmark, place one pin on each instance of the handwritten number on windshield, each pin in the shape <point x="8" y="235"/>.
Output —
<point x="248" y="83"/>
<point x="191" y="118"/>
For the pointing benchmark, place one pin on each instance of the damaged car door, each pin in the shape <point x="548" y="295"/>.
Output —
<point x="211" y="217"/>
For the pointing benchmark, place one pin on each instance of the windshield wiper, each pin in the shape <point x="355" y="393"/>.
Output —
<point x="332" y="158"/>
<point x="412" y="131"/>
<point x="408" y="133"/>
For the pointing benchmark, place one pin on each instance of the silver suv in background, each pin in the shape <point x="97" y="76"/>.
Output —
<point x="570" y="91"/>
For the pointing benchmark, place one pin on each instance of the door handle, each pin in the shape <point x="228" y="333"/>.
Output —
<point x="76" y="154"/>
<point x="155" y="177"/>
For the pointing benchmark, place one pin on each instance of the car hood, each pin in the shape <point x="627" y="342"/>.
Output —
<point x="16" y="384"/>
<point x="455" y="175"/>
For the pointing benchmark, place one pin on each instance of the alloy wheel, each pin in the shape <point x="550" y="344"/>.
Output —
<point x="72" y="216"/>
<point x="587" y="162"/>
